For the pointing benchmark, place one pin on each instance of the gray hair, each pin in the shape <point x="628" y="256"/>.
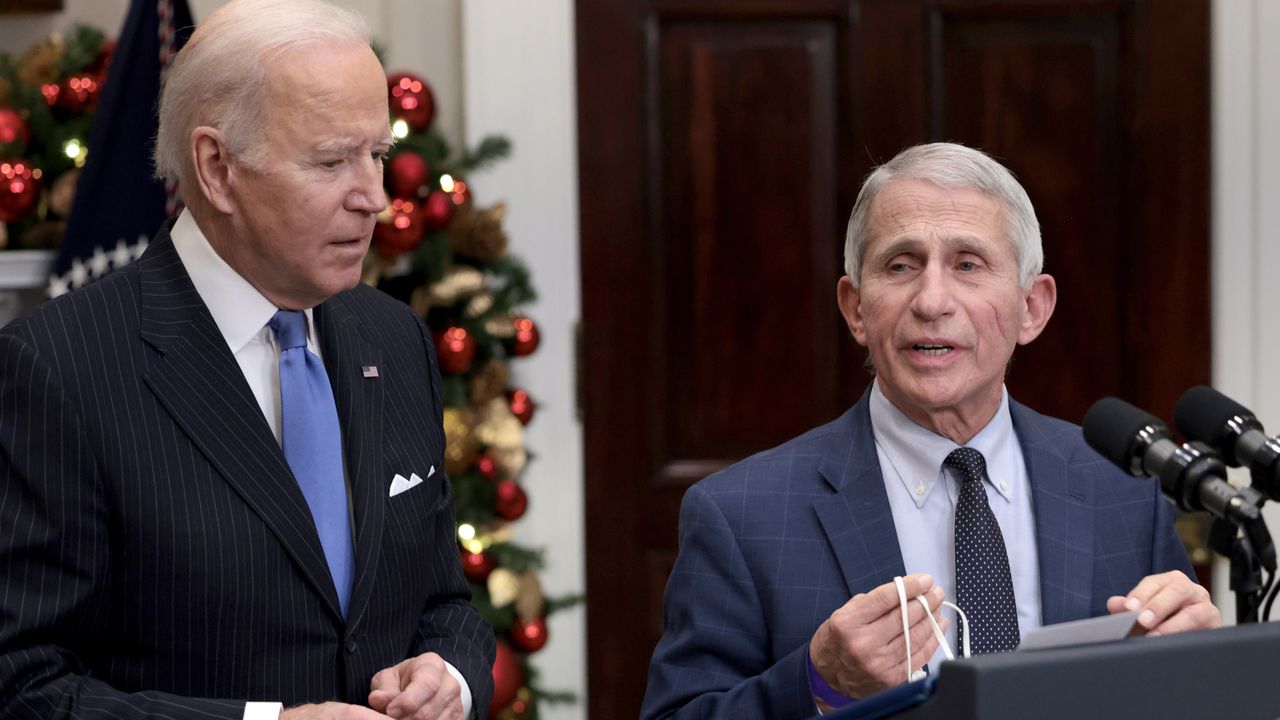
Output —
<point x="219" y="77"/>
<point x="950" y="166"/>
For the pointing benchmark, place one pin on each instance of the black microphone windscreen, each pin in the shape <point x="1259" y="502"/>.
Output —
<point x="1202" y="414"/>
<point x="1112" y="425"/>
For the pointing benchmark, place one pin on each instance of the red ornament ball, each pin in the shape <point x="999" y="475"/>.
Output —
<point x="526" y="338"/>
<point x="438" y="211"/>
<point x="80" y="92"/>
<point x="476" y="566"/>
<point x="508" y="678"/>
<point x="455" y="348"/>
<point x="19" y="189"/>
<point x="51" y="93"/>
<point x="411" y="100"/>
<point x="531" y="636"/>
<point x="487" y="466"/>
<point x="521" y="405"/>
<point x="460" y="193"/>
<point x="407" y="172"/>
<point x="510" y="501"/>
<point x="399" y="228"/>
<point x="13" y="129"/>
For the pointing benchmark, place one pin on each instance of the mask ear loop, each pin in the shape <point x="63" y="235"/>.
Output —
<point x="963" y="622"/>
<point x="962" y="619"/>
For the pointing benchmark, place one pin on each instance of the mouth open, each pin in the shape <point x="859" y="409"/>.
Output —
<point x="932" y="349"/>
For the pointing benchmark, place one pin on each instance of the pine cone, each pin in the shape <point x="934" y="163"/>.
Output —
<point x="488" y="382"/>
<point x="478" y="234"/>
<point x="40" y="64"/>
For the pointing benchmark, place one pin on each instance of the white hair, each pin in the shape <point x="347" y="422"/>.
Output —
<point x="951" y="166"/>
<point x="219" y="77"/>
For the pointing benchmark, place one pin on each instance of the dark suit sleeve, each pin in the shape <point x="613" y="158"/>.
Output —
<point x="54" y="558"/>
<point x="450" y="626"/>
<point x="714" y="659"/>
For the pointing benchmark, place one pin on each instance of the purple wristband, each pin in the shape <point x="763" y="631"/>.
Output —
<point x="822" y="690"/>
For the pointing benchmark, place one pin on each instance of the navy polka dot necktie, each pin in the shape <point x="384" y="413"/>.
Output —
<point x="984" y="585"/>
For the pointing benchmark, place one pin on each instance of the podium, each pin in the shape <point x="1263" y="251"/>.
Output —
<point x="1226" y="673"/>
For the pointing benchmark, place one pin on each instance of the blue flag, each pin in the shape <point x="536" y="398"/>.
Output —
<point x="118" y="204"/>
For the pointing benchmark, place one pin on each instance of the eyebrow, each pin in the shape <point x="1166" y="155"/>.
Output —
<point x="343" y="147"/>
<point x="955" y="243"/>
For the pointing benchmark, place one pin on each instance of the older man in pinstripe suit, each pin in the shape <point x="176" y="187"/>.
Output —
<point x="782" y="601"/>
<point x="197" y="515"/>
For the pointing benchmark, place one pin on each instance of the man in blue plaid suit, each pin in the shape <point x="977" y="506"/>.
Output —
<point x="782" y="604"/>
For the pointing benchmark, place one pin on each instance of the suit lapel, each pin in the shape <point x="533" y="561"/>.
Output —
<point x="857" y="519"/>
<point x="359" y="399"/>
<point x="1063" y="507"/>
<point x="199" y="383"/>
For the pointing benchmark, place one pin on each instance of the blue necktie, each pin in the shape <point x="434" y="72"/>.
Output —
<point x="312" y="444"/>
<point x="984" y="584"/>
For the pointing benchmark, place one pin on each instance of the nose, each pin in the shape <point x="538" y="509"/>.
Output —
<point x="367" y="195"/>
<point x="934" y="296"/>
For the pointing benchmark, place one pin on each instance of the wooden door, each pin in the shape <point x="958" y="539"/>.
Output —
<point x="722" y="143"/>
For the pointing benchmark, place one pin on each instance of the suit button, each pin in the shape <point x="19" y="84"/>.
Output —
<point x="351" y="645"/>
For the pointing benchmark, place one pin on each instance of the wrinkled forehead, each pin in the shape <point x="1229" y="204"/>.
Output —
<point x="924" y="211"/>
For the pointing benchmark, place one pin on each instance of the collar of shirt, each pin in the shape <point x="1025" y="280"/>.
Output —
<point x="239" y="310"/>
<point x="916" y="453"/>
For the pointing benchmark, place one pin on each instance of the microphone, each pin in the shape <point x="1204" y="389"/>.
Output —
<point x="1191" y="474"/>
<point x="1207" y="415"/>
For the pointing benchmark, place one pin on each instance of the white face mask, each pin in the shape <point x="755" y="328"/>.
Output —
<point x="963" y="624"/>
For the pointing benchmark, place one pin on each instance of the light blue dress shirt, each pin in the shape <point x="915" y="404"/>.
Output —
<point x="922" y="495"/>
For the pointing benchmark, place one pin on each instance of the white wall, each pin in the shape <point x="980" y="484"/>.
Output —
<point x="518" y="74"/>
<point x="1246" y="251"/>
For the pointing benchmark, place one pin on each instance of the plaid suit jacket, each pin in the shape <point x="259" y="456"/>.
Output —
<point x="158" y="558"/>
<point x="771" y="546"/>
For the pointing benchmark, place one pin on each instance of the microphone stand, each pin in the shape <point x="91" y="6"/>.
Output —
<point x="1250" y="549"/>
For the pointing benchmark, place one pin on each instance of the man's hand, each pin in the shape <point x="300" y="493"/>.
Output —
<point x="331" y="711"/>
<point x="1168" y="603"/>
<point x="860" y="649"/>
<point x="419" y="688"/>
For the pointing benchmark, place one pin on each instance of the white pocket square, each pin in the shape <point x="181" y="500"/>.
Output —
<point x="399" y="483"/>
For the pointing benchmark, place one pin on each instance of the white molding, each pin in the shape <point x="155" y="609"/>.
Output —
<point x="25" y="269"/>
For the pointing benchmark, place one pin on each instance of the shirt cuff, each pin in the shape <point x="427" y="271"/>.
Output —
<point x="263" y="711"/>
<point x="465" y="689"/>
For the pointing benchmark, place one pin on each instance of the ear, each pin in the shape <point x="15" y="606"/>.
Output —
<point x="213" y="169"/>
<point x="849" y="298"/>
<point x="1040" y="301"/>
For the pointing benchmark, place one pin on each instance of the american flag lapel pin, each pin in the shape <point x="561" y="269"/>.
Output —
<point x="369" y="371"/>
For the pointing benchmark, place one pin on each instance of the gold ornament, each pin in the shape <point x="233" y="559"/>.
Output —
<point x="510" y="461"/>
<point x="498" y="428"/>
<point x="502" y="534"/>
<point x="488" y="382"/>
<point x="531" y="602"/>
<point x="478" y="305"/>
<point x="63" y="192"/>
<point x="461" y="444"/>
<point x="40" y="64"/>
<point x="478" y="233"/>
<point x="458" y="281"/>
<point x="501" y="327"/>
<point x="504" y="587"/>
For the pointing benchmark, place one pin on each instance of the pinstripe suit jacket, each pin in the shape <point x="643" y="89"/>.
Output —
<point x="158" y="558"/>
<point x="771" y="546"/>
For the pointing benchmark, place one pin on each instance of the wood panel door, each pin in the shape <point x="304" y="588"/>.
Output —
<point x="722" y="143"/>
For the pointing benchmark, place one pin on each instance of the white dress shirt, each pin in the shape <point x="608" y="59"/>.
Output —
<point x="923" y="494"/>
<point x="241" y="314"/>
